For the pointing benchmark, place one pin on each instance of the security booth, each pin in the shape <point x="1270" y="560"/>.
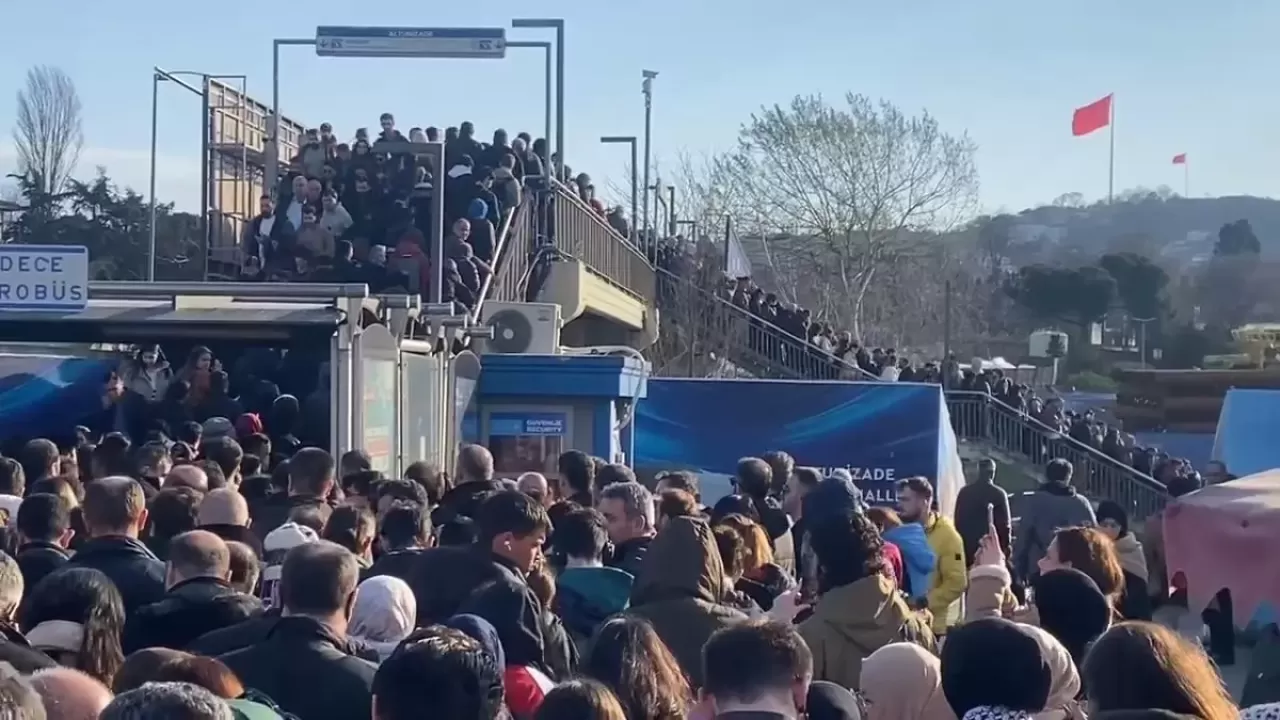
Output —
<point x="531" y="408"/>
<point x="389" y="393"/>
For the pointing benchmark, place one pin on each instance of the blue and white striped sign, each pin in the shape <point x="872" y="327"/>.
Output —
<point x="399" y="42"/>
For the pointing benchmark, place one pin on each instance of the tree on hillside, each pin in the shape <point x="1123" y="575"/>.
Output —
<point x="1237" y="238"/>
<point x="1140" y="284"/>
<point x="1077" y="297"/>
<point x="113" y="224"/>
<point x="858" y="183"/>
<point x="48" y="131"/>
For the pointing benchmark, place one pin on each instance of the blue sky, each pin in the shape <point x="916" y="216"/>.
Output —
<point x="1188" y="76"/>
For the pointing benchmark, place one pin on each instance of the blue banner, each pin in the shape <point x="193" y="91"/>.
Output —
<point x="880" y="432"/>
<point x="46" y="396"/>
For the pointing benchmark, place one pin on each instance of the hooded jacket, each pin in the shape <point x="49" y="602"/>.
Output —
<point x="1135" y="604"/>
<point x="679" y="588"/>
<point x="587" y="596"/>
<point x="849" y="623"/>
<point x="1051" y="507"/>
<point x="918" y="558"/>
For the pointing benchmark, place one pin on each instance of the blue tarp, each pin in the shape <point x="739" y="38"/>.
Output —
<point x="1196" y="447"/>
<point x="45" y="395"/>
<point x="881" y="432"/>
<point x="1246" y="437"/>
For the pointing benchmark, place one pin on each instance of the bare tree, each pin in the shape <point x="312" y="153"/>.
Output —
<point x="856" y="186"/>
<point x="48" y="133"/>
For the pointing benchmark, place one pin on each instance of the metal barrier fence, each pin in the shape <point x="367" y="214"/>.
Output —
<point x="503" y="252"/>
<point x="511" y="272"/>
<point x="579" y="232"/>
<point x="756" y="345"/>
<point x="976" y="415"/>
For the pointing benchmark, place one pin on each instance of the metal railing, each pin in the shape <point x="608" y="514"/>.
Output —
<point x="511" y="275"/>
<point x="752" y="343"/>
<point x="767" y="351"/>
<point x="580" y="233"/>
<point x="976" y="415"/>
<point x="502" y="248"/>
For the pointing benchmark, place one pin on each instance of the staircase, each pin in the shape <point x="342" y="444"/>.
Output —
<point x="703" y="333"/>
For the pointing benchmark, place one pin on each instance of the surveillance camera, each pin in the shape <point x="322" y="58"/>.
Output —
<point x="649" y="74"/>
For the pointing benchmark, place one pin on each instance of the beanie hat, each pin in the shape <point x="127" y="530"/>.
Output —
<point x="217" y="427"/>
<point x="275" y="547"/>
<point x="1072" y="609"/>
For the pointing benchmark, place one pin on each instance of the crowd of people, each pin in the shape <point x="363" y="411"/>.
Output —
<point x="785" y="333"/>
<point x="239" y="572"/>
<point x="1086" y="428"/>
<point x="362" y="211"/>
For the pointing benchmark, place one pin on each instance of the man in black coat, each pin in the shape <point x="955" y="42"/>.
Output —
<point x="302" y="664"/>
<point x="44" y="528"/>
<point x="115" y="511"/>
<point x="199" y="598"/>
<point x="311" y="479"/>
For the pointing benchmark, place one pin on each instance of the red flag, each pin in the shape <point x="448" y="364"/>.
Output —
<point x="1094" y="116"/>
<point x="1180" y="159"/>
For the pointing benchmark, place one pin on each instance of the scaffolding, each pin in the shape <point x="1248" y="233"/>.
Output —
<point x="235" y="131"/>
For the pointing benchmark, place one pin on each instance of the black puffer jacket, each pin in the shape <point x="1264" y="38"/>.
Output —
<point x="190" y="609"/>
<point x="137" y="573"/>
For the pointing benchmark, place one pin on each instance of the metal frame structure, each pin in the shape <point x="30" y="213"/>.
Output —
<point x="273" y="153"/>
<point x="207" y="114"/>
<point x="632" y="141"/>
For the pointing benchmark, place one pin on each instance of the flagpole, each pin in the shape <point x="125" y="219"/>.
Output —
<point x="1111" y="162"/>
<point x="1186" y="179"/>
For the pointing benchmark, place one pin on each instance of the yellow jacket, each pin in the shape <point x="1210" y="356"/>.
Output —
<point x="947" y="585"/>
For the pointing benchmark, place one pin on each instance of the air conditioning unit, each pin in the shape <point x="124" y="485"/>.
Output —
<point x="522" y="328"/>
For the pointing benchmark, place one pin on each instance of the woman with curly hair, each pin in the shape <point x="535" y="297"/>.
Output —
<point x="859" y="608"/>
<point x="630" y="658"/>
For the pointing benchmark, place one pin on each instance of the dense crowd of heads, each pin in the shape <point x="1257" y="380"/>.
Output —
<point x="232" y="568"/>
<point x="361" y="211"/>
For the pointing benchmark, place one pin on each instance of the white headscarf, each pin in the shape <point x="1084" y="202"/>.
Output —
<point x="384" y="613"/>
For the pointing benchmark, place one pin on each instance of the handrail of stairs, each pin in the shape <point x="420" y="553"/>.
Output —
<point x="977" y="415"/>
<point x="974" y="415"/>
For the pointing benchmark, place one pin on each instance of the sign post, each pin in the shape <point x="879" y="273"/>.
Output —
<point x="401" y="42"/>
<point x="44" y="277"/>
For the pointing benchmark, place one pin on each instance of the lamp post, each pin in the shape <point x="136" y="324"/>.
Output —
<point x="547" y="83"/>
<point x="1142" y="338"/>
<point x="158" y="76"/>
<point x="671" y="210"/>
<point x="635" y="189"/>
<point x="558" y="25"/>
<point x="646" y="88"/>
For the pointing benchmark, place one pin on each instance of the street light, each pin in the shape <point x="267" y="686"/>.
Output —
<point x="1142" y="343"/>
<point x="671" y="209"/>
<point x="630" y="140"/>
<point x="158" y="76"/>
<point x="646" y="88"/>
<point x="558" y="25"/>
<point x="546" y="48"/>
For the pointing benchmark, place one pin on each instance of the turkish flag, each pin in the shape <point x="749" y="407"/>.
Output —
<point x="1180" y="159"/>
<point x="1094" y="116"/>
